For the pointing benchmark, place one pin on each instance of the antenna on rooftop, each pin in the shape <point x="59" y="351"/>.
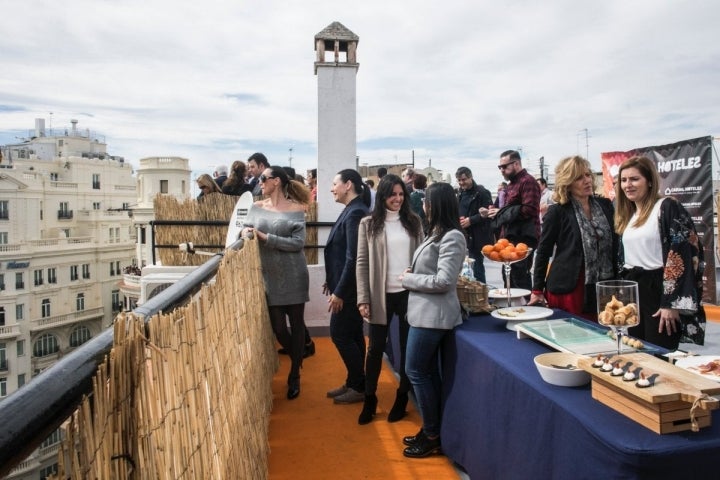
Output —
<point x="587" y="143"/>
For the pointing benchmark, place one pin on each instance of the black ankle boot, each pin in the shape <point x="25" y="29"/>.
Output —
<point x="293" y="388"/>
<point x="309" y="349"/>
<point x="397" y="412"/>
<point x="368" y="411"/>
<point x="423" y="448"/>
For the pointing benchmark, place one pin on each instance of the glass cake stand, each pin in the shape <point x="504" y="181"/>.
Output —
<point x="506" y="269"/>
<point x="618" y="306"/>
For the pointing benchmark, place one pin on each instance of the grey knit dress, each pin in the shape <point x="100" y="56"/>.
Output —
<point x="284" y="267"/>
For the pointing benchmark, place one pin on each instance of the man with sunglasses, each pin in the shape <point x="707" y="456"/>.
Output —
<point x="519" y="219"/>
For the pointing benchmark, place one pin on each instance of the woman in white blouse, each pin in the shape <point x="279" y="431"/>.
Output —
<point x="661" y="251"/>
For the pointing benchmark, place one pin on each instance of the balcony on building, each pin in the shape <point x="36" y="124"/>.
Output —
<point x="8" y="332"/>
<point x="66" y="319"/>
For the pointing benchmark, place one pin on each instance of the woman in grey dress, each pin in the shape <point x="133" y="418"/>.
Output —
<point x="278" y="222"/>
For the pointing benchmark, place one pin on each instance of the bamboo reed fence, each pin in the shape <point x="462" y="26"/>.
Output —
<point x="186" y="395"/>
<point x="215" y="206"/>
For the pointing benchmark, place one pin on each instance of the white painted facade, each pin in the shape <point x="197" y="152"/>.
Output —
<point x="65" y="237"/>
<point x="156" y="175"/>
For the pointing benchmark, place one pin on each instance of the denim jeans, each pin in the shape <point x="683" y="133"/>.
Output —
<point x="346" y="331"/>
<point x="423" y="368"/>
<point x="396" y="304"/>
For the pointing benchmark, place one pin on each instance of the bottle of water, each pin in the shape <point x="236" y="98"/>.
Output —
<point x="467" y="268"/>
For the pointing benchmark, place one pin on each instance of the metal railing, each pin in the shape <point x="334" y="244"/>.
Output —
<point x="217" y="223"/>
<point x="33" y="412"/>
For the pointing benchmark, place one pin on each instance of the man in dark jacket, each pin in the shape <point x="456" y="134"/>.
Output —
<point x="520" y="217"/>
<point x="257" y="163"/>
<point x="478" y="230"/>
<point x="220" y="175"/>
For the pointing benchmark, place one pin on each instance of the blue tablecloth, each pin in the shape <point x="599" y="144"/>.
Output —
<point x="502" y="421"/>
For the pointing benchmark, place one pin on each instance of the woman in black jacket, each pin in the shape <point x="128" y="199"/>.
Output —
<point x="578" y="234"/>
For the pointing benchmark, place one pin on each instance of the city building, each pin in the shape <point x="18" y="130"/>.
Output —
<point x="66" y="237"/>
<point x="155" y="175"/>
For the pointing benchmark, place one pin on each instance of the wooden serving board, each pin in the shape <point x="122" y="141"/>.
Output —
<point x="668" y="405"/>
<point x="669" y="382"/>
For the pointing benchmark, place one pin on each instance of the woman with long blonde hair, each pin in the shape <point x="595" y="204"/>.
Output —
<point x="578" y="233"/>
<point x="207" y="185"/>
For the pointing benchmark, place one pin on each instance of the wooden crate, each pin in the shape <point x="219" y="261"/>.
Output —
<point x="666" y="406"/>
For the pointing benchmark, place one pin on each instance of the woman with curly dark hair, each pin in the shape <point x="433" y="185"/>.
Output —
<point x="386" y="242"/>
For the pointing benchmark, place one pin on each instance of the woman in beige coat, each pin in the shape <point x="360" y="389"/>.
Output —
<point x="387" y="240"/>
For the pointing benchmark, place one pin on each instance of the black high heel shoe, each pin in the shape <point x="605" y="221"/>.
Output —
<point x="423" y="448"/>
<point x="293" y="389"/>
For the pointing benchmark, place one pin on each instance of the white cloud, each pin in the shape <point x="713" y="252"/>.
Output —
<point x="454" y="81"/>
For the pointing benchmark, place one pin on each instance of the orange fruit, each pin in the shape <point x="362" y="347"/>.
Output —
<point x="504" y="242"/>
<point x="494" y="256"/>
<point x="498" y="246"/>
<point x="521" y="247"/>
<point x="487" y="249"/>
<point x="508" y="253"/>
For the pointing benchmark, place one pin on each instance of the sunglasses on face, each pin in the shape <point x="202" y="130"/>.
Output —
<point x="503" y="167"/>
<point x="264" y="178"/>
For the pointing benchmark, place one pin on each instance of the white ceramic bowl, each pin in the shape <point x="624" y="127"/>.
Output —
<point x="553" y="368"/>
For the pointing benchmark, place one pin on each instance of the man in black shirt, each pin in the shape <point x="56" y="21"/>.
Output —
<point x="478" y="230"/>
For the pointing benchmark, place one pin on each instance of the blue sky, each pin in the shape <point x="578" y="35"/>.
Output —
<point x="457" y="82"/>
